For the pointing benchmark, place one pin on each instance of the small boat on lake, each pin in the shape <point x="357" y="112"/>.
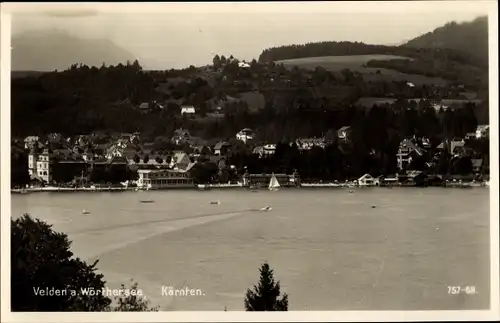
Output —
<point x="215" y="202"/>
<point x="274" y="185"/>
<point x="267" y="208"/>
<point x="146" y="201"/>
<point x="85" y="212"/>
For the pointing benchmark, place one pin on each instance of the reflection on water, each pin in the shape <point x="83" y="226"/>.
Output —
<point x="330" y="249"/>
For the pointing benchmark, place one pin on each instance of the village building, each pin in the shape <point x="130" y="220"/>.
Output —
<point x="221" y="148"/>
<point x="482" y="131"/>
<point x="367" y="180"/>
<point x="309" y="143"/>
<point x="188" y="109"/>
<point x="40" y="165"/>
<point x="245" y="135"/>
<point x="406" y="152"/>
<point x="31" y="141"/>
<point x="344" y="133"/>
<point x="180" y="136"/>
<point x="161" y="179"/>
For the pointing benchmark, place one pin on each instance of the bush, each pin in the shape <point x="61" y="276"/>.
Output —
<point x="265" y="295"/>
<point x="134" y="302"/>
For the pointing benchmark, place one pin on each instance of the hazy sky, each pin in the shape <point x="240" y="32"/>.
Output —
<point x="176" y="35"/>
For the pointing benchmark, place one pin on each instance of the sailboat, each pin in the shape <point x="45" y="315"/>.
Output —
<point x="274" y="185"/>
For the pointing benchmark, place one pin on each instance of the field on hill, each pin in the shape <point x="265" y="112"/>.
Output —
<point x="355" y="63"/>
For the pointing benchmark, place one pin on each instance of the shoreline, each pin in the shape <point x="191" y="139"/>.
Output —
<point x="204" y="187"/>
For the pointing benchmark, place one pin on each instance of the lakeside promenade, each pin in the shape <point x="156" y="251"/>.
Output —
<point x="239" y="185"/>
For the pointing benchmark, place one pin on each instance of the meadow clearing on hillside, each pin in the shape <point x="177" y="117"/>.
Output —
<point x="368" y="102"/>
<point x="355" y="63"/>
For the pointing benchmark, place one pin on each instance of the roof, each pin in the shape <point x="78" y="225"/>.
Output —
<point x="188" y="110"/>
<point x="477" y="162"/>
<point x="246" y="130"/>
<point x="181" y="132"/>
<point x="413" y="173"/>
<point x="178" y="156"/>
<point x="410" y="144"/>
<point x="365" y="176"/>
<point x="160" y="171"/>
<point x="258" y="150"/>
<point x="197" y="141"/>
<point x="344" y="128"/>
<point x="144" y="105"/>
<point x="310" y="140"/>
<point x="220" y="145"/>
<point x="118" y="160"/>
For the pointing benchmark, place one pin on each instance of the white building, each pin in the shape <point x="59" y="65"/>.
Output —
<point x="367" y="180"/>
<point x="406" y="149"/>
<point x="243" y="65"/>
<point x="160" y="179"/>
<point x="40" y="165"/>
<point x="188" y="109"/>
<point x="180" y="160"/>
<point x="30" y="142"/>
<point x="482" y="131"/>
<point x="245" y="135"/>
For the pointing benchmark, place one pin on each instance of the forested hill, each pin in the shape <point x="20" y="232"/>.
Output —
<point x="55" y="49"/>
<point x="345" y="48"/>
<point x="326" y="48"/>
<point x="469" y="37"/>
<point x="463" y="43"/>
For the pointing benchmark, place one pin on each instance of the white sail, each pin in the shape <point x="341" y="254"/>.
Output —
<point x="273" y="183"/>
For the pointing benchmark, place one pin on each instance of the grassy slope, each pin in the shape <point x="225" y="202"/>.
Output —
<point x="355" y="63"/>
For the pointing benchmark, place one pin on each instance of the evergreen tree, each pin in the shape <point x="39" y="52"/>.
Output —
<point x="265" y="295"/>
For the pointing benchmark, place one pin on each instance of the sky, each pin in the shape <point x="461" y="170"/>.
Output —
<point x="176" y="35"/>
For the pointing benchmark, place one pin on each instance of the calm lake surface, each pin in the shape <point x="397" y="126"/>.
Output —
<point x="329" y="249"/>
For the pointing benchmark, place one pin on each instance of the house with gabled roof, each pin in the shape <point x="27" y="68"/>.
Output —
<point x="221" y="148"/>
<point x="367" y="180"/>
<point x="344" y="133"/>
<point x="407" y="150"/>
<point x="180" y="160"/>
<point x="188" y="109"/>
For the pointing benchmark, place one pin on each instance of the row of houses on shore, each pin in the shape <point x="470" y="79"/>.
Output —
<point x="126" y="150"/>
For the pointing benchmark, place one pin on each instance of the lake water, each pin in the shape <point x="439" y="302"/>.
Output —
<point x="331" y="250"/>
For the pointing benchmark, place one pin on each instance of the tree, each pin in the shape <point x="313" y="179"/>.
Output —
<point x="41" y="259"/>
<point x="264" y="296"/>
<point x="216" y="61"/>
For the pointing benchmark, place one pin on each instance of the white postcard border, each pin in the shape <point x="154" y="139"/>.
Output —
<point x="213" y="316"/>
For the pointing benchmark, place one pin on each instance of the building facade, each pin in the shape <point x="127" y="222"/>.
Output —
<point x="161" y="179"/>
<point x="40" y="165"/>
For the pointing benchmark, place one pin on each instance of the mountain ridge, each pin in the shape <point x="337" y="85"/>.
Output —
<point x="51" y="50"/>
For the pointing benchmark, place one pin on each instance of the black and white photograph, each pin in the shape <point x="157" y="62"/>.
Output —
<point x="202" y="161"/>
